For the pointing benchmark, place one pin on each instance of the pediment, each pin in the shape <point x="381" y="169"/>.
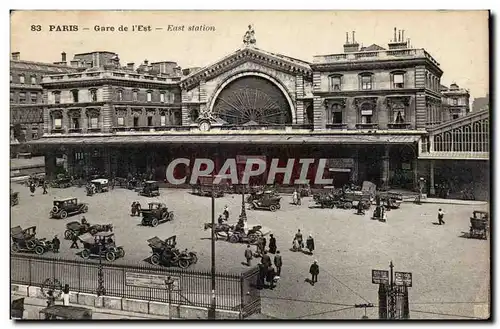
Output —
<point x="249" y="54"/>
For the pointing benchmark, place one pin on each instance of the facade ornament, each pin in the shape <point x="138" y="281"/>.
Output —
<point x="249" y="38"/>
<point x="56" y="113"/>
<point x="332" y="101"/>
<point x="360" y="100"/>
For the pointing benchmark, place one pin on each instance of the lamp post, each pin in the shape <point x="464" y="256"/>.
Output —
<point x="243" y="214"/>
<point x="100" y="275"/>
<point x="211" y="313"/>
<point x="169" y="282"/>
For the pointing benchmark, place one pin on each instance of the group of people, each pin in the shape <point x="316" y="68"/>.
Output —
<point x="32" y="186"/>
<point x="298" y="242"/>
<point x="135" y="208"/>
<point x="296" y="198"/>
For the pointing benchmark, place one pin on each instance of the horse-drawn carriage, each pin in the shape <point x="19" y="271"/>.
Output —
<point x="252" y="236"/>
<point x="101" y="244"/>
<point x="14" y="198"/>
<point x="76" y="228"/>
<point x="164" y="252"/>
<point x="26" y="240"/>
<point x="479" y="225"/>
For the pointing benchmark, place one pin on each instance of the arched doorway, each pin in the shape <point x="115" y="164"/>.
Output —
<point x="252" y="100"/>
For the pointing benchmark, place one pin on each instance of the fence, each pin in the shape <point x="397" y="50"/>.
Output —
<point x="141" y="282"/>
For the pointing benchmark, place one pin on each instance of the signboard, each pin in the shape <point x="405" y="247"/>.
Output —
<point x="379" y="277"/>
<point x="242" y="159"/>
<point x="402" y="279"/>
<point x="341" y="163"/>
<point x="154" y="281"/>
<point x="366" y="112"/>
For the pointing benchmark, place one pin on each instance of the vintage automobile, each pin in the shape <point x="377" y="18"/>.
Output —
<point x="62" y="182"/>
<point x="75" y="228"/>
<point x="258" y="194"/>
<point x="204" y="187"/>
<point x="251" y="237"/>
<point x="68" y="206"/>
<point x="102" y="242"/>
<point x="479" y="225"/>
<point x="150" y="189"/>
<point x="165" y="253"/>
<point x="14" y="198"/>
<point x="26" y="240"/>
<point x="101" y="185"/>
<point x="268" y="201"/>
<point x="61" y="312"/>
<point x="155" y="214"/>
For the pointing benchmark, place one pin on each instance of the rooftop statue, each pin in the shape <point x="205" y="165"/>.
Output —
<point x="249" y="38"/>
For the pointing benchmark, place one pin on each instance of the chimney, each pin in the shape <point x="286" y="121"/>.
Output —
<point x="353" y="46"/>
<point x="399" y="36"/>
<point x="63" y="57"/>
<point x="399" y="41"/>
<point x="16" y="56"/>
<point x="394" y="40"/>
<point x="403" y="35"/>
<point x="146" y="62"/>
<point x="130" y="66"/>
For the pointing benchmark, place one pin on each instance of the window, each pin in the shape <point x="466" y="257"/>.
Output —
<point x="170" y="97"/>
<point x="366" y="82"/>
<point x="336" y="114"/>
<point x="136" y="121"/>
<point x="34" y="97"/>
<point x="398" y="113"/>
<point x="12" y="96"/>
<point x="33" y="80"/>
<point x="74" y="93"/>
<point x="119" y="95"/>
<point x="150" y="121"/>
<point x="21" y="79"/>
<point x="22" y="97"/>
<point x="455" y="116"/>
<point x="57" y="123"/>
<point x="149" y="95"/>
<point x="121" y="121"/>
<point x="455" y="101"/>
<point x="135" y="96"/>
<point x="398" y="80"/>
<point x="78" y="156"/>
<point x="335" y="83"/>
<point x="93" y="95"/>
<point x="75" y="123"/>
<point x="57" y="97"/>
<point x="162" y="97"/>
<point x="163" y="120"/>
<point x="94" y="122"/>
<point x="366" y="113"/>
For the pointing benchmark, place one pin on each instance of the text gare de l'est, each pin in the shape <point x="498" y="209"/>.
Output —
<point x="130" y="28"/>
<point x="253" y="167"/>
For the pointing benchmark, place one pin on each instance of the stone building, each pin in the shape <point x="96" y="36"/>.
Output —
<point x="456" y="102"/>
<point x="26" y="99"/>
<point x="365" y="110"/>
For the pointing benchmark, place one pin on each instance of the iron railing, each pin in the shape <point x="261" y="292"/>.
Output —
<point x="193" y="287"/>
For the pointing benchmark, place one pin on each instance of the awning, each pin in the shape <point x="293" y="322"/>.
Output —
<point x="282" y="139"/>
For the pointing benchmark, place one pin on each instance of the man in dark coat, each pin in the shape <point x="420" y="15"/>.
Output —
<point x="262" y="275"/>
<point x="44" y="186"/>
<point x="266" y="260"/>
<point x="278" y="262"/>
<point x="32" y="188"/>
<point x="310" y="244"/>
<point x="271" y="274"/>
<point x="264" y="243"/>
<point x="56" y="244"/>
<point x="314" y="271"/>
<point x="272" y="244"/>
<point x="248" y="255"/>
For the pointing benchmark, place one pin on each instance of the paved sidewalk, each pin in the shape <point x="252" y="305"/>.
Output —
<point x="454" y="201"/>
<point x="32" y="306"/>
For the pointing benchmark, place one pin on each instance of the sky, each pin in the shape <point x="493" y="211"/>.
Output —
<point x="458" y="40"/>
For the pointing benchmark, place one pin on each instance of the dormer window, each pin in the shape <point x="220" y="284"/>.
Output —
<point x="93" y="95"/>
<point x="366" y="81"/>
<point x="398" y="80"/>
<point x="335" y="82"/>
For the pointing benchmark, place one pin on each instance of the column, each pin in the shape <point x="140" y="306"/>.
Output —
<point x="70" y="161"/>
<point x="50" y="165"/>
<point x="85" y="119"/>
<point x="355" y="168"/>
<point x="113" y="162"/>
<point x="385" y="168"/>
<point x="432" y="190"/>
<point x="415" y="173"/>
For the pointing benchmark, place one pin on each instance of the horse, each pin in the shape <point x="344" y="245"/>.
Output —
<point x="218" y="228"/>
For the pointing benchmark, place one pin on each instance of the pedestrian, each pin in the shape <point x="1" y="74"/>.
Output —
<point x="278" y="262"/>
<point x="248" y="255"/>
<point x="298" y="237"/>
<point x="133" y="208"/>
<point x="56" y="244"/>
<point x="441" y="216"/>
<point x="66" y="295"/>
<point x="310" y="244"/>
<point x="44" y="186"/>
<point x="226" y="212"/>
<point x="74" y="245"/>
<point x="266" y="260"/>
<point x="299" y="199"/>
<point x="384" y="214"/>
<point x="32" y="189"/>
<point x="272" y="244"/>
<point x="264" y="243"/>
<point x="262" y="276"/>
<point x="295" y="197"/>
<point x="314" y="271"/>
<point x="271" y="275"/>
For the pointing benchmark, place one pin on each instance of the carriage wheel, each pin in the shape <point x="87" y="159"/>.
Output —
<point x="63" y="214"/>
<point x="278" y="206"/>
<point x="55" y="209"/>
<point x="30" y="244"/>
<point x="194" y="258"/>
<point x="110" y="256"/>
<point x="68" y="234"/>
<point x="155" y="259"/>
<point x="252" y="238"/>
<point x="39" y="250"/>
<point x="164" y="215"/>
<point x="171" y="217"/>
<point x="93" y="231"/>
<point x="85" y="254"/>
<point x="183" y="263"/>
<point x="14" y="247"/>
<point x="272" y="208"/>
<point x="154" y="222"/>
<point x="143" y="222"/>
<point x="348" y="205"/>
<point x="85" y="208"/>
<point x="121" y="252"/>
<point x="234" y="238"/>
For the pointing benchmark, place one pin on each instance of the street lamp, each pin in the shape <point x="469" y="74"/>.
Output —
<point x="100" y="275"/>
<point x="169" y="282"/>
<point x="211" y="313"/>
<point x="243" y="215"/>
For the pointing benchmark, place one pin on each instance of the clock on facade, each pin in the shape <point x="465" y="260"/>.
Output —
<point x="204" y="125"/>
